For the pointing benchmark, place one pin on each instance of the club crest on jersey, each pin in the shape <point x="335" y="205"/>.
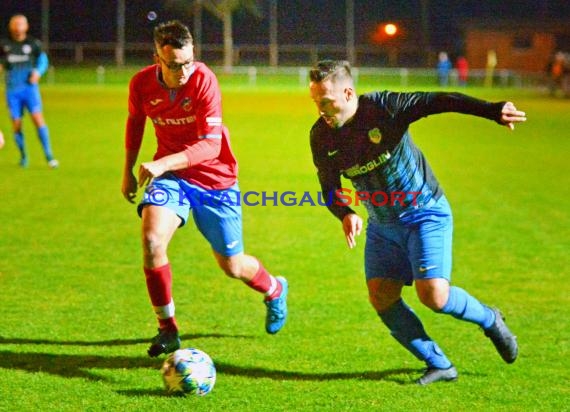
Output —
<point x="27" y="49"/>
<point x="187" y="104"/>
<point x="375" y="136"/>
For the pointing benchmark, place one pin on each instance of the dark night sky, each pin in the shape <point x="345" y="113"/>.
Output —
<point x="300" y="21"/>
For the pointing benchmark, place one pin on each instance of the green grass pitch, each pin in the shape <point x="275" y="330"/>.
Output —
<point x="76" y="317"/>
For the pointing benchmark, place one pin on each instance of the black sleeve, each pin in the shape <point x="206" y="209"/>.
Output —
<point x="329" y="179"/>
<point x="410" y="107"/>
<point x="329" y="187"/>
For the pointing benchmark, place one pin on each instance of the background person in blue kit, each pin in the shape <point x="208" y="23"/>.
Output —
<point x="24" y="61"/>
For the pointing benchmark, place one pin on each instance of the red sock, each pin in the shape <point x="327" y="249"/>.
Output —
<point x="159" y="286"/>
<point x="265" y="283"/>
<point x="168" y="324"/>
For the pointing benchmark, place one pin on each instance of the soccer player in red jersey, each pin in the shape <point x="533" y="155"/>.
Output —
<point x="192" y="170"/>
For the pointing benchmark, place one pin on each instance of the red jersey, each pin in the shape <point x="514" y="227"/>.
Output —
<point x="189" y="120"/>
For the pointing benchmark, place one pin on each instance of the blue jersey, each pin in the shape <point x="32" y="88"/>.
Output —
<point x="19" y="58"/>
<point x="376" y="152"/>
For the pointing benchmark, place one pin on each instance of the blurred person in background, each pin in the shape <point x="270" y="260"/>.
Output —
<point x="462" y="70"/>
<point x="443" y="67"/>
<point x="558" y="72"/>
<point x="24" y="61"/>
<point x="490" y="68"/>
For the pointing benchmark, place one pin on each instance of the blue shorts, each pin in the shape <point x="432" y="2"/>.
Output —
<point x="418" y="246"/>
<point x="217" y="213"/>
<point x="24" y="98"/>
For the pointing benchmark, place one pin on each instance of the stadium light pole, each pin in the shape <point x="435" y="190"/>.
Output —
<point x="120" y="47"/>
<point x="426" y="38"/>
<point x="45" y="24"/>
<point x="197" y="19"/>
<point x="273" y="47"/>
<point x="350" y="51"/>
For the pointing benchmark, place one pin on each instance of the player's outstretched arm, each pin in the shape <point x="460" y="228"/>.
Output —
<point x="510" y="115"/>
<point x="352" y="226"/>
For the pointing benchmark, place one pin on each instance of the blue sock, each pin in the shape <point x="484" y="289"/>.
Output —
<point x="461" y="305"/>
<point x="407" y="329"/>
<point x="19" y="138"/>
<point x="43" y="134"/>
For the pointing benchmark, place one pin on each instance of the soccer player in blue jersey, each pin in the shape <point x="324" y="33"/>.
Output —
<point x="408" y="239"/>
<point x="25" y="62"/>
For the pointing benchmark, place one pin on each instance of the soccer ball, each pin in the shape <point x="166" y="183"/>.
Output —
<point x="189" y="371"/>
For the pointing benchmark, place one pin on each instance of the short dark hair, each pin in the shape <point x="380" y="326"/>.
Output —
<point x="333" y="69"/>
<point x="172" y="33"/>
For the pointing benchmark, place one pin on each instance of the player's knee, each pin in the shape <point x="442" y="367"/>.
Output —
<point x="154" y="245"/>
<point x="232" y="267"/>
<point x="433" y="293"/>
<point x="375" y="302"/>
<point x="383" y="293"/>
<point x="432" y="299"/>
<point x="381" y="302"/>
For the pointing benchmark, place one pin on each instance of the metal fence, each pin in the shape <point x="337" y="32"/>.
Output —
<point x="243" y="54"/>
<point x="95" y="62"/>
<point x="291" y="76"/>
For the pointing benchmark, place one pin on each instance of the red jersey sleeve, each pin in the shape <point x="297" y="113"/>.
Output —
<point x="208" y="120"/>
<point x="136" y="119"/>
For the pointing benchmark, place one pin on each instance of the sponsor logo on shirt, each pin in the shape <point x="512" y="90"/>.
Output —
<point x="174" y="122"/>
<point x="359" y="169"/>
<point x="18" y="58"/>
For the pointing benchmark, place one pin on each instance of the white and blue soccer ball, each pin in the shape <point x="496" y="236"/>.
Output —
<point x="189" y="371"/>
